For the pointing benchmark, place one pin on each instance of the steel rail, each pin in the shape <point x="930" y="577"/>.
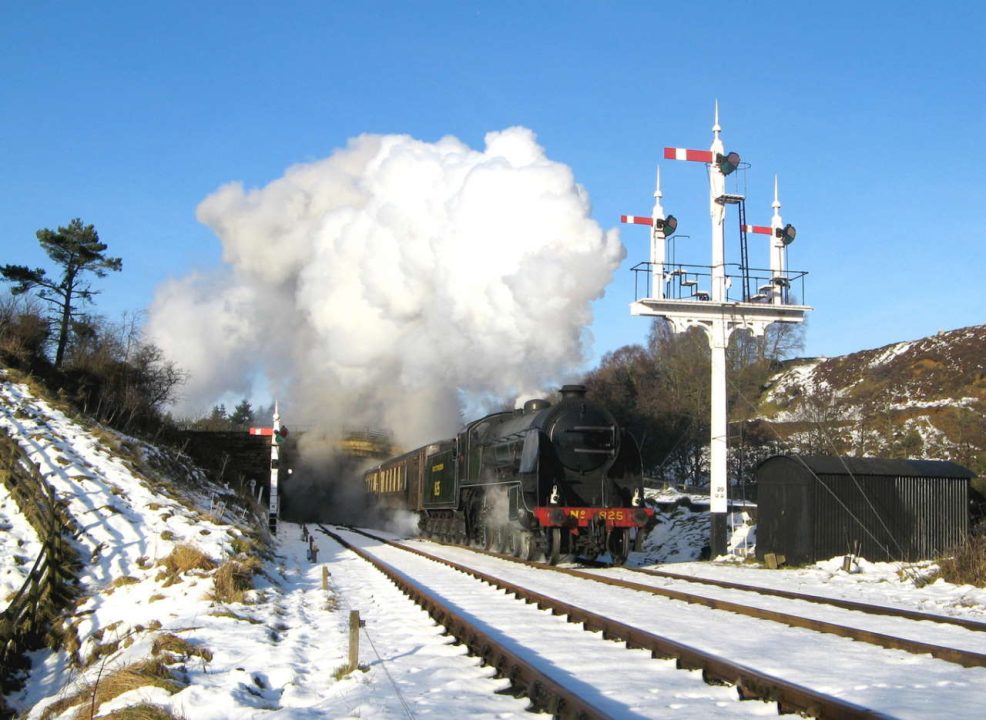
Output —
<point x="965" y="658"/>
<point x="973" y="625"/>
<point x="750" y="683"/>
<point x="544" y="693"/>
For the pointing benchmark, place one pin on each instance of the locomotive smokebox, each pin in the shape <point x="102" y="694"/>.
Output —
<point x="573" y="391"/>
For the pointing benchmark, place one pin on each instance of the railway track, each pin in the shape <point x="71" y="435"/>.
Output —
<point x="616" y="577"/>
<point x="544" y="689"/>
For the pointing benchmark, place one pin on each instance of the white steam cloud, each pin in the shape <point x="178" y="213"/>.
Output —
<point x="391" y="282"/>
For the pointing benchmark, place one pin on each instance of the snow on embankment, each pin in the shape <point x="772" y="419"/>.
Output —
<point x="19" y="546"/>
<point x="126" y="524"/>
<point x="195" y="651"/>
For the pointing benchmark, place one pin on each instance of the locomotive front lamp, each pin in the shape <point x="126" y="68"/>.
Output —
<point x="787" y="234"/>
<point x="727" y="163"/>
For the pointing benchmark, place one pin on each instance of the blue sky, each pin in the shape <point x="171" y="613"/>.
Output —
<point x="872" y="114"/>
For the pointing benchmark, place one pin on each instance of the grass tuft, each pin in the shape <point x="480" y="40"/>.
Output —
<point x="144" y="711"/>
<point x="150" y="672"/>
<point x="174" y="645"/>
<point x="184" y="558"/>
<point x="966" y="565"/>
<point x="233" y="580"/>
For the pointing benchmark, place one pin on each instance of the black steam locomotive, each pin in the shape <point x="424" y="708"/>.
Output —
<point x="548" y="479"/>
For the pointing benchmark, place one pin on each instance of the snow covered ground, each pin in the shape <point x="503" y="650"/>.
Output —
<point x="18" y="548"/>
<point x="280" y="654"/>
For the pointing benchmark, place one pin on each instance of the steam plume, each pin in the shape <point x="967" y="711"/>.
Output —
<point x="392" y="283"/>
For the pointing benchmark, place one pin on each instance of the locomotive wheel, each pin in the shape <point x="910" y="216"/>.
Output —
<point x="638" y="543"/>
<point x="554" y="552"/>
<point x="619" y="545"/>
<point x="486" y="536"/>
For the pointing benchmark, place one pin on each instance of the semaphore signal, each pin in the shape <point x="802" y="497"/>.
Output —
<point x="714" y="310"/>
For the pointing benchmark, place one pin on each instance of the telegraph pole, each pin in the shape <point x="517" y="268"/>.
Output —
<point x="675" y="294"/>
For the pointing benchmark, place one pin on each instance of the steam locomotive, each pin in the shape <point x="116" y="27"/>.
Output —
<point x="556" y="480"/>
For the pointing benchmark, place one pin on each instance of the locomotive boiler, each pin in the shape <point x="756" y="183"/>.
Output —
<point x="546" y="479"/>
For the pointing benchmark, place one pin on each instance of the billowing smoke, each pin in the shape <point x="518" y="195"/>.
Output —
<point x="396" y="284"/>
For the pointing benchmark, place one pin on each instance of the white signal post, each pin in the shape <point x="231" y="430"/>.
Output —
<point x="276" y="436"/>
<point x="658" y="242"/>
<point x="274" y="509"/>
<point x="715" y="313"/>
<point x="778" y="251"/>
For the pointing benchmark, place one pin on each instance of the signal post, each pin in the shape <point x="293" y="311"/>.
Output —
<point x="277" y="434"/>
<point x="677" y="293"/>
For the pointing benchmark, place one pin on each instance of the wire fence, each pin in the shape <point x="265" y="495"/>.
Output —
<point x="29" y="618"/>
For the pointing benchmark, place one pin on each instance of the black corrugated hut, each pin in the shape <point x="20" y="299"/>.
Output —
<point x="816" y="507"/>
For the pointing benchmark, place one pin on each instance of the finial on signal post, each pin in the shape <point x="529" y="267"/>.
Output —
<point x="658" y="210"/>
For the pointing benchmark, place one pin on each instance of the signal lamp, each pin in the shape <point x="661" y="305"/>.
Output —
<point x="787" y="234"/>
<point x="668" y="225"/>
<point x="727" y="163"/>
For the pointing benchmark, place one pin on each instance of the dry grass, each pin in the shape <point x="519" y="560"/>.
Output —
<point x="179" y="647"/>
<point x="101" y="650"/>
<point x="233" y="580"/>
<point x="234" y="616"/>
<point x="150" y="672"/>
<point x="967" y="564"/>
<point x="144" y="711"/>
<point x="124" y="580"/>
<point x="182" y="559"/>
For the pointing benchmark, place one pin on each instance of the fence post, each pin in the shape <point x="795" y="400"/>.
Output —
<point x="354" y="625"/>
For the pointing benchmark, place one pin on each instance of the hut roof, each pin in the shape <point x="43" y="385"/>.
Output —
<point x="835" y="465"/>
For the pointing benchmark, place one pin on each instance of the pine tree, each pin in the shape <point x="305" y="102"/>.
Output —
<point x="78" y="251"/>
<point x="242" y="414"/>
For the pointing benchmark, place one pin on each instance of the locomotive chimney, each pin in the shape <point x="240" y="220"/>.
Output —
<point x="572" y="391"/>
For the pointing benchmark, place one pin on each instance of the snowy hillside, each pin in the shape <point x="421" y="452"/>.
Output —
<point x="922" y="399"/>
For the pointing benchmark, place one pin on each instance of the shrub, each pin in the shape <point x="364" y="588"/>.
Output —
<point x="967" y="564"/>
